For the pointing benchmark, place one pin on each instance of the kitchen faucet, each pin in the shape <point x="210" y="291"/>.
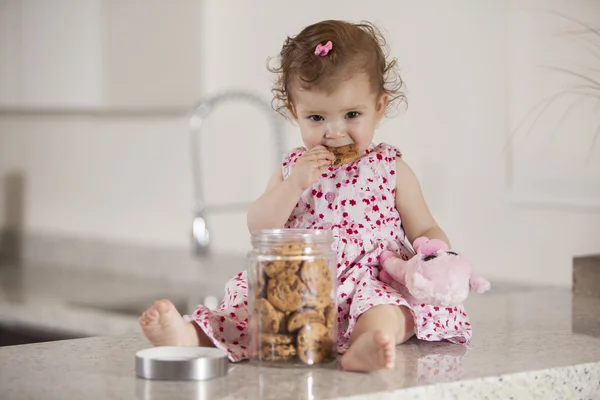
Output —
<point x="200" y="232"/>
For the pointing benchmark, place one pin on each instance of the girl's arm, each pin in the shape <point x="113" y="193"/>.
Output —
<point x="416" y="217"/>
<point x="274" y="207"/>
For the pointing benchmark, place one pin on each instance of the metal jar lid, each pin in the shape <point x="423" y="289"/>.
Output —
<point x="181" y="363"/>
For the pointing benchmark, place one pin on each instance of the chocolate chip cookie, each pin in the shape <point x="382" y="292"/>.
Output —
<point x="316" y="276"/>
<point x="270" y="318"/>
<point x="276" y="347"/>
<point x="274" y="339"/>
<point x="329" y="314"/>
<point x="317" y="301"/>
<point x="286" y="292"/>
<point x="289" y="249"/>
<point x="301" y="318"/>
<point x="281" y="352"/>
<point x="281" y="267"/>
<point x="315" y="343"/>
<point x="343" y="154"/>
<point x="283" y="322"/>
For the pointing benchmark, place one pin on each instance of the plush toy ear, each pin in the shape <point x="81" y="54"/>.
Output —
<point x="432" y="246"/>
<point x="437" y="244"/>
<point x="478" y="284"/>
<point x="418" y="242"/>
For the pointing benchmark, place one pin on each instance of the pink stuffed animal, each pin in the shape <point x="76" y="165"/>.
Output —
<point x="434" y="275"/>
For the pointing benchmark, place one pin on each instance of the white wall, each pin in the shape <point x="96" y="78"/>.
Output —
<point x="552" y="106"/>
<point x="10" y="17"/>
<point x="128" y="179"/>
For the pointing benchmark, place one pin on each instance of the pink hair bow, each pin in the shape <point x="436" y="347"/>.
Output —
<point x="322" y="50"/>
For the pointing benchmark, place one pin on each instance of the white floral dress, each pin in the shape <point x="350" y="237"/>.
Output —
<point x="357" y="202"/>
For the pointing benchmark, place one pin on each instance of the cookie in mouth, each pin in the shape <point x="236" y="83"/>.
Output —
<point x="343" y="154"/>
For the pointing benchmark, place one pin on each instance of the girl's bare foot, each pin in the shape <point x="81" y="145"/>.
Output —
<point x="371" y="351"/>
<point x="164" y="326"/>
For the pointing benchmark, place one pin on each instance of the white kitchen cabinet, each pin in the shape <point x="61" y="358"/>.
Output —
<point x="99" y="54"/>
<point x="10" y="74"/>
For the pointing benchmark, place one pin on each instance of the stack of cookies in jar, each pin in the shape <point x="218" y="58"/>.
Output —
<point x="294" y="315"/>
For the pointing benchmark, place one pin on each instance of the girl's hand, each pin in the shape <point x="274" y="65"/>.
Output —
<point x="310" y="166"/>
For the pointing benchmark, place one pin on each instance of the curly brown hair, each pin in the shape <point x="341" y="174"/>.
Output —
<point x="356" y="48"/>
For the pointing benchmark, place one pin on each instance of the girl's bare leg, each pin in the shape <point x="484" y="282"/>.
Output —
<point x="373" y="340"/>
<point x="164" y="326"/>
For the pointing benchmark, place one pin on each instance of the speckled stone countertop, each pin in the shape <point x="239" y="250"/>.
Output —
<point x="527" y="343"/>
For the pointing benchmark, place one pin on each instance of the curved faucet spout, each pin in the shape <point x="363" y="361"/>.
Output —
<point x="200" y="233"/>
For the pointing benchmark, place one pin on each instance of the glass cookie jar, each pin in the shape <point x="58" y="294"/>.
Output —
<point x="292" y="297"/>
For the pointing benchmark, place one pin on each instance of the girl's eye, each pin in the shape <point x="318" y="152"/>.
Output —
<point x="316" y="118"/>
<point x="352" y="114"/>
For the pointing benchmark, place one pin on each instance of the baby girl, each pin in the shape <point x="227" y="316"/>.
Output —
<point x="335" y="82"/>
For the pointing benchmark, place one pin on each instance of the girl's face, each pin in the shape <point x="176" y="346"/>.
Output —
<point x="349" y="114"/>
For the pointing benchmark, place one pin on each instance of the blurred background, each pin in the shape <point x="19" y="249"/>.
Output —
<point x="97" y="96"/>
